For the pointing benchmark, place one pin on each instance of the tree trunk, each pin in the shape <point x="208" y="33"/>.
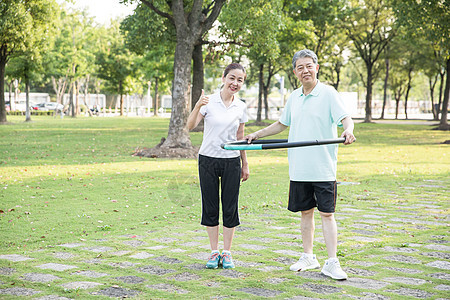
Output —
<point x="2" y="86"/>
<point x="266" y="96"/>
<point x="27" y="97"/>
<point x="368" y="118"/>
<point x="260" y="92"/>
<point x="178" y="135"/>
<point x="121" y="98"/>
<point x="443" y="125"/>
<point x="408" y="88"/>
<point x="72" y="105"/>
<point x="441" y="92"/>
<point x="155" y="100"/>
<point x="198" y="80"/>
<point x="386" y="78"/>
<point x="432" y="85"/>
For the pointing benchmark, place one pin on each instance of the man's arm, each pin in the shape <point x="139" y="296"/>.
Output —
<point x="272" y="129"/>
<point x="348" y="125"/>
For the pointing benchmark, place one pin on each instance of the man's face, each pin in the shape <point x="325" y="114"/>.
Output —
<point x="306" y="70"/>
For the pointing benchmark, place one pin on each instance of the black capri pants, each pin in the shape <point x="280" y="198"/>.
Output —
<point x="227" y="172"/>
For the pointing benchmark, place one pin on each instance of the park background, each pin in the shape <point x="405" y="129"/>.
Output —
<point x="82" y="217"/>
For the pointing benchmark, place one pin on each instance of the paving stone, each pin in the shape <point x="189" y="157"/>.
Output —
<point x="442" y="287"/>
<point x="288" y="252"/>
<point x="444" y="276"/>
<point x="271" y="268"/>
<point x="120" y="253"/>
<point x="441" y="255"/>
<point x="365" y="263"/>
<point x="365" y="232"/>
<point x="168" y="260"/>
<point x="200" y="255"/>
<point x="56" y="267"/>
<point x="94" y="261"/>
<point x="364" y="283"/>
<point x="17" y="291"/>
<point x="90" y="274"/>
<point x="134" y="243"/>
<point x="124" y="264"/>
<point x="252" y="247"/>
<point x="98" y="249"/>
<point x="185" y="276"/>
<point x="38" y="277"/>
<point x="290" y="236"/>
<point x="320" y="288"/>
<point x="276" y="280"/>
<point x="285" y="260"/>
<point x="403" y="259"/>
<point x="83" y="285"/>
<point x="370" y="221"/>
<point x="439" y="241"/>
<point x="364" y="239"/>
<point x="278" y="227"/>
<point x="445" y="265"/>
<point x="406" y="280"/>
<point x="196" y="267"/>
<point x="350" y="209"/>
<point x="438" y="247"/>
<point x="365" y="226"/>
<point x="71" y="245"/>
<point x="166" y="240"/>
<point x="158" y="247"/>
<point x="191" y="244"/>
<point x="373" y="296"/>
<point x="247" y="264"/>
<point x="52" y="297"/>
<point x="167" y="288"/>
<point x="7" y="271"/>
<point x="373" y="216"/>
<point x="302" y="298"/>
<point x="360" y="272"/>
<point x="142" y="255"/>
<point x="231" y="273"/>
<point x="15" y="257"/>
<point x="260" y="292"/>
<point x="130" y="279"/>
<point x="400" y="249"/>
<point x="244" y="228"/>
<point x="405" y="270"/>
<point x="178" y="250"/>
<point x="64" y="255"/>
<point x="411" y="293"/>
<point x="313" y="275"/>
<point x="154" y="270"/>
<point x="212" y="284"/>
<point x="263" y="239"/>
<point x="117" y="292"/>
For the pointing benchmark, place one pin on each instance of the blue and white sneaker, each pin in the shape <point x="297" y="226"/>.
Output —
<point x="227" y="261"/>
<point x="214" y="259"/>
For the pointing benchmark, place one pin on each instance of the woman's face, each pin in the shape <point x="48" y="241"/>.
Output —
<point x="234" y="80"/>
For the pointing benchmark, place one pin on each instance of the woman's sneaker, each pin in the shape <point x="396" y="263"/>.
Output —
<point x="227" y="261"/>
<point x="214" y="259"/>
<point x="305" y="262"/>
<point x="332" y="268"/>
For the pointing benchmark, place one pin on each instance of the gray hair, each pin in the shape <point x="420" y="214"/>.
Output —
<point x="303" y="53"/>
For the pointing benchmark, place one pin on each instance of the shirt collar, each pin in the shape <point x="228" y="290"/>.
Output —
<point x="315" y="91"/>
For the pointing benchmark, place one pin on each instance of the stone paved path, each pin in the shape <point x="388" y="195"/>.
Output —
<point x="380" y="266"/>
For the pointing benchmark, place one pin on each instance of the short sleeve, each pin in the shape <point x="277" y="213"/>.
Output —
<point x="203" y="110"/>
<point x="338" y="108"/>
<point x="244" y="118"/>
<point x="285" y="117"/>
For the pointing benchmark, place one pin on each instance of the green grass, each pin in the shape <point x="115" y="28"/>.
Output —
<point x="75" y="180"/>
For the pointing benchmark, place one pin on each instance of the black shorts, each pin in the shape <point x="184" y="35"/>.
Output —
<point x="306" y="195"/>
<point x="225" y="172"/>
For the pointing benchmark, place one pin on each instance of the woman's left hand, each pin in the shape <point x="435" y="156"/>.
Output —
<point x="245" y="173"/>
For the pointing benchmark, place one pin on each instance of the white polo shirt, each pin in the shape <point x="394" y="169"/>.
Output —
<point x="221" y="125"/>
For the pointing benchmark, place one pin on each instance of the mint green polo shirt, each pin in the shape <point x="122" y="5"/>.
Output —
<point x="313" y="117"/>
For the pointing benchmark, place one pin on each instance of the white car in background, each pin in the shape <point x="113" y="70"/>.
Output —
<point x="46" y="106"/>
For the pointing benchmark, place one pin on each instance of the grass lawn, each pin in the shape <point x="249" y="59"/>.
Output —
<point x="75" y="181"/>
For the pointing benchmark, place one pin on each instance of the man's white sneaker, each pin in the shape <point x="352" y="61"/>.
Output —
<point x="305" y="262"/>
<point x="332" y="268"/>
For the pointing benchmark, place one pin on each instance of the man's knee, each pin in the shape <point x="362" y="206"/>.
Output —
<point x="326" y="215"/>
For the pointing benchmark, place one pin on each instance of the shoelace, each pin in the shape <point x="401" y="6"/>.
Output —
<point x="226" y="257"/>
<point x="214" y="256"/>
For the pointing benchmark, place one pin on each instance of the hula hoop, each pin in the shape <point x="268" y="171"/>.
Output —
<point x="276" y="144"/>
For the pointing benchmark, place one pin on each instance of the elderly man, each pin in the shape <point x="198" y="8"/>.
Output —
<point x="313" y="111"/>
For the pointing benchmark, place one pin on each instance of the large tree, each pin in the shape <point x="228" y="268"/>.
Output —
<point x="191" y="19"/>
<point x="23" y="25"/>
<point x="430" y="20"/>
<point x="369" y="24"/>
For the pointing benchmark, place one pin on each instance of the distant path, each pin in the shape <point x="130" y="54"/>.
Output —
<point x="400" y="121"/>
